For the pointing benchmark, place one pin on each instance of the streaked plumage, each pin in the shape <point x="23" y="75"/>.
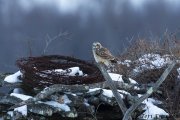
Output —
<point x="102" y="54"/>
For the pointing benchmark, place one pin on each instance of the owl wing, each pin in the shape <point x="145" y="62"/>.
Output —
<point x="105" y="53"/>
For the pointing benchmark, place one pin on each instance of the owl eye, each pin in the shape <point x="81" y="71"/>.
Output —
<point x="97" y="46"/>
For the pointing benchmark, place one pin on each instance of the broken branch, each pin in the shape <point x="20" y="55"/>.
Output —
<point x="149" y="92"/>
<point x="113" y="88"/>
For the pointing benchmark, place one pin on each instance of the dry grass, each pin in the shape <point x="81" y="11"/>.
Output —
<point x="169" y="44"/>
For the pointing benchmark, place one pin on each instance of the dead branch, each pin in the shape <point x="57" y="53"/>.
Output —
<point x="138" y="88"/>
<point x="60" y="88"/>
<point x="49" y="40"/>
<point x="113" y="88"/>
<point x="9" y="100"/>
<point x="149" y="92"/>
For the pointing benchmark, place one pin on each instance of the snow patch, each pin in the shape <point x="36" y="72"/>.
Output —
<point x="123" y="92"/>
<point x="125" y="62"/>
<point x="116" y="77"/>
<point x="18" y="90"/>
<point x="66" y="99"/>
<point x="152" y="111"/>
<point x="73" y="71"/>
<point x="64" y="107"/>
<point x="178" y="70"/>
<point x="86" y="102"/>
<point x="94" y="89"/>
<point x="9" y="113"/>
<point x="132" y="81"/>
<point x="151" y="61"/>
<point x="13" y="78"/>
<point x="22" y="110"/>
<point x="109" y="93"/>
<point x="21" y="96"/>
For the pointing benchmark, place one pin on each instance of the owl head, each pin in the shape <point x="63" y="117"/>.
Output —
<point x="97" y="45"/>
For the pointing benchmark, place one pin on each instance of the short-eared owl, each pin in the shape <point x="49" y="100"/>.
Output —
<point x="102" y="54"/>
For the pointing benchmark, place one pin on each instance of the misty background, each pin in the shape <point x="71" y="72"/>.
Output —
<point x="26" y="24"/>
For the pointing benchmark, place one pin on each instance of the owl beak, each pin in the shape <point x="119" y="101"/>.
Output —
<point x="96" y="45"/>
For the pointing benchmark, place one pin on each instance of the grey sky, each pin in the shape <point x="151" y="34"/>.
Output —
<point x="24" y="25"/>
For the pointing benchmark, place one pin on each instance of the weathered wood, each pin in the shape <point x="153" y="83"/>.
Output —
<point x="76" y="101"/>
<point x="138" y="88"/>
<point x="108" y="100"/>
<point x="41" y="109"/>
<point x="9" y="100"/>
<point x="60" y="88"/>
<point x="113" y="88"/>
<point x="93" y="93"/>
<point x="149" y="92"/>
<point x="50" y="90"/>
<point x="93" y="100"/>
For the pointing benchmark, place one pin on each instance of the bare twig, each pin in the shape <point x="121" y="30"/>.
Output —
<point x="49" y="40"/>
<point x="149" y="92"/>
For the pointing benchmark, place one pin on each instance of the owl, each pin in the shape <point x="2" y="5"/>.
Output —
<point x="102" y="54"/>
